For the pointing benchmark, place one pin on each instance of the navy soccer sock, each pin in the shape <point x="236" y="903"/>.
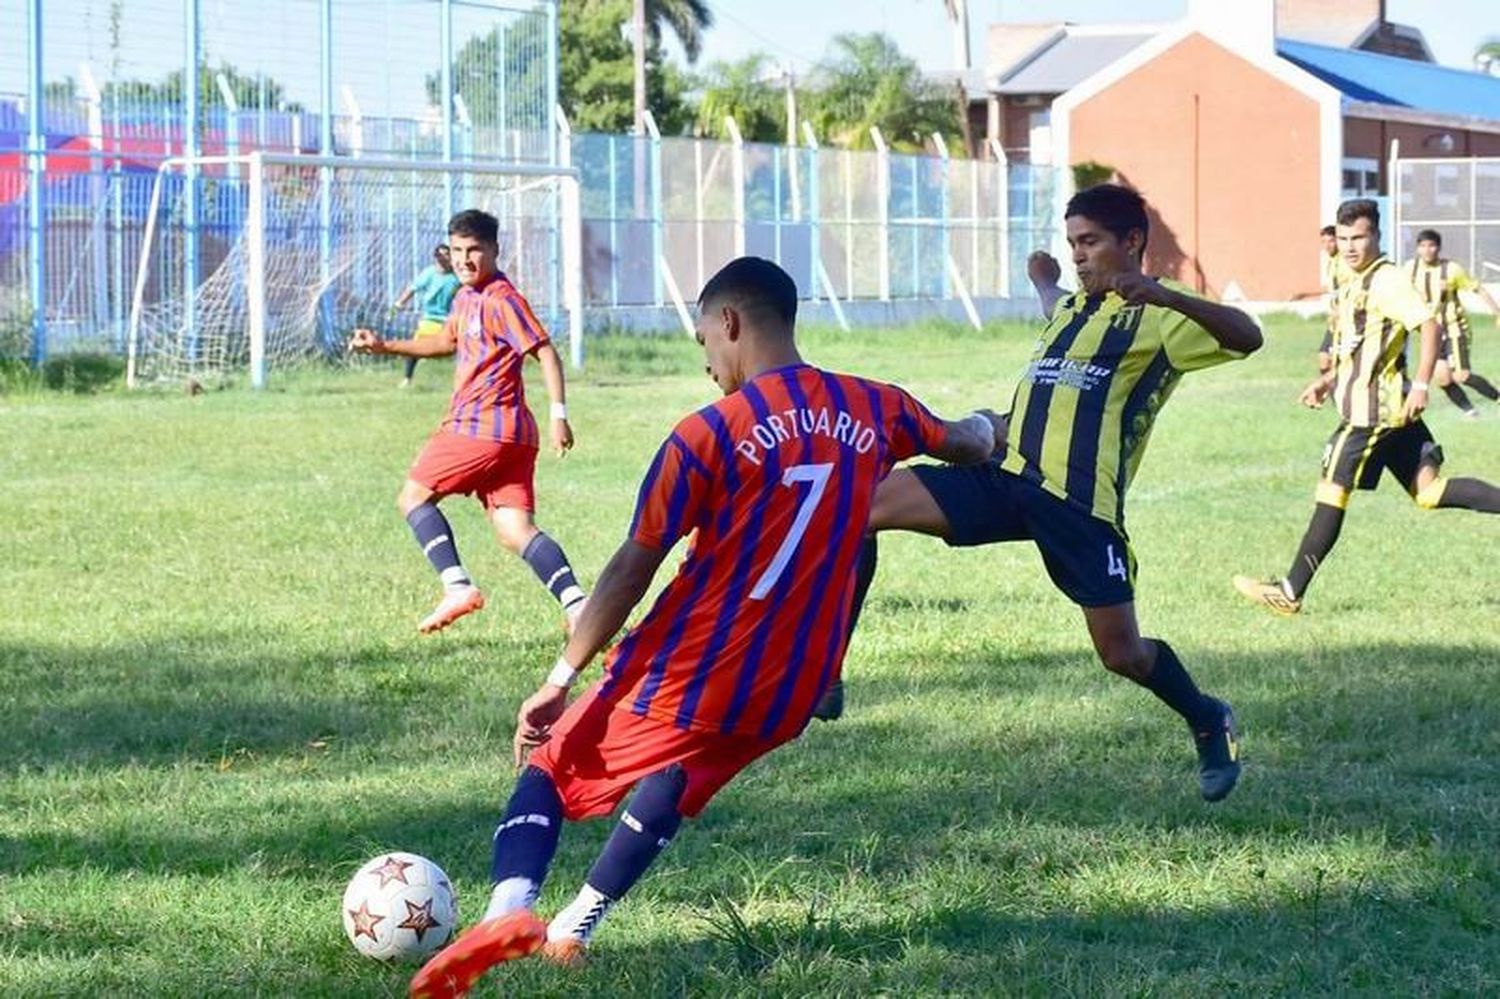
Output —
<point x="650" y="821"/>
<point x="436" y="538"/>
<point x="1169" y="681"/>
<point x="864" y="575"/>
<point x="547" y="560"/>
<point x="525" y="842"/>
<point x="1457" y="397"/>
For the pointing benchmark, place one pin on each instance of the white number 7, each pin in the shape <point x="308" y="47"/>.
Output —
<point x="817" y="475"/>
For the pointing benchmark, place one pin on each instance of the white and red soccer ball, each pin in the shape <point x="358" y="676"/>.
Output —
<point x="399" y="907"/>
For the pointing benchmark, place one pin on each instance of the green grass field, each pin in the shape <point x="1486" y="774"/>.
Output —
<point x="216" y="706"/>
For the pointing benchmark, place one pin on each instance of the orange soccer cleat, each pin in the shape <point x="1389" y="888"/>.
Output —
<point x="569" y="952"/>
<point x="453" y="970"/>
<point x="454" y="605"/>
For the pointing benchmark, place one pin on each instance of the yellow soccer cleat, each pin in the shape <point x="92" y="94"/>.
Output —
<point x="1268" y="593"/>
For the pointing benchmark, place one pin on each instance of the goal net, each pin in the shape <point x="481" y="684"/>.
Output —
<point x="264" y="261"/>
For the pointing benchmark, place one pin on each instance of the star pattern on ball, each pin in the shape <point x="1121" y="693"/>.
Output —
<point x="391" y="869"/>
<point x="419" y="918"/>
<point x="365" y="921"/>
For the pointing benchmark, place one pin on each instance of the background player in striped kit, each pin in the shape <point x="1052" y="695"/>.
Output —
<point x="487" y="444"/>
<point x="1380" y="412"/>
<point x="777" y="480"/>
<point x="1439" y="281"/>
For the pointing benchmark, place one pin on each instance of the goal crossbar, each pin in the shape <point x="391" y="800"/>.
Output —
<point x="254" y="164"/>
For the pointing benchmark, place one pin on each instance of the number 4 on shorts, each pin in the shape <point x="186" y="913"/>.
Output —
<point x="1114" y="566"/>
<point x="817" y="476"/>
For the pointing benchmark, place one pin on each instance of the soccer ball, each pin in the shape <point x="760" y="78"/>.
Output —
<point x="399" y="907"/>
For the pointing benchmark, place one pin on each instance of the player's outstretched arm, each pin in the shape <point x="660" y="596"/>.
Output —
<point x="369" y="342"/>
<point x="1233" y="329"/>
<point x="552" y="374"/>
<point x="974" y="438"/>
<point x="1044" y="271"/>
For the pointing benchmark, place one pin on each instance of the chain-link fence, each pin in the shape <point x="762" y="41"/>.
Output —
<point x="1460" y="199"/>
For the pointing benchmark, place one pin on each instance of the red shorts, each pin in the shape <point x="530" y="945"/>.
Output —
<point x="498" y="473"/>
<point x="598" y="752"/>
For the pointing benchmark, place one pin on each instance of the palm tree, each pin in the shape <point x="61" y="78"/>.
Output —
<point x="1487" y="57"/>
<point x="688" y="19"/>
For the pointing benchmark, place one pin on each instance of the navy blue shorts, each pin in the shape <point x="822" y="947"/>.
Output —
<point x="1088" y="559"/>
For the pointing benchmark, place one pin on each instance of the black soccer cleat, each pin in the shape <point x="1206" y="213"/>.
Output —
<point x="831" y="704"/>
<point x="1218" y="755"/>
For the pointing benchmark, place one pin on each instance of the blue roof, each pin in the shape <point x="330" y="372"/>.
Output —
<point x="1383" y="79"/>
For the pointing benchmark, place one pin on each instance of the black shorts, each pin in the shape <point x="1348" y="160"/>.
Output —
<point x="1453" y="347"/>
<point x="1355" y="456"/>
<point x="1088" y="559"/>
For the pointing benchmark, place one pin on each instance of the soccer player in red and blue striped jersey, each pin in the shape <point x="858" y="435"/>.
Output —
<point x="488" y="442"/>
<point x="776" y="479"/>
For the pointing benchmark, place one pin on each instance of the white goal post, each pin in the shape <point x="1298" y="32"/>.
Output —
<point x="263" y="259"/>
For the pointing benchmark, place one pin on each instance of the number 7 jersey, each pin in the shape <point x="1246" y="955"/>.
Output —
<point x="777" y="479"/>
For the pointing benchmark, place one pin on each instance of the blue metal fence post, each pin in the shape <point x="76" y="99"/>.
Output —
<point x="190" y="146"/>
<point x="658" y="244"/>
<point x="36" y="145"/>
<point x="325" y="175"/>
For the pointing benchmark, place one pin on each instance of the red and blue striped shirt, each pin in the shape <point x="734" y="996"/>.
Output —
<point x="495" y="329"/>
<point x="777" y="479"/>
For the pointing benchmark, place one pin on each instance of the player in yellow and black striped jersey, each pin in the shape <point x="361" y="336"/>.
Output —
<point x="1380" y="411"/>
<point x="1330" y="270"/>
<point x="1439" y="281"/>
<point x="1104" y="365"/>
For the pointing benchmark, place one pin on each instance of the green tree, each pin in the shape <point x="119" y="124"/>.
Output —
<point x="868" y="80"/>
<point x="747" y="91"/>
<point x="248" y="90"/>
<point x="595" y="86"/>
<point x="1488" y="56"/>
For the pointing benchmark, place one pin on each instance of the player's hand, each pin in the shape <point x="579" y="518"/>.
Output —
<point x="1312" y="397"/>
<point x="1416" y="404"/>
<point x="1138" y="289"/>
<point x="534" y="723"/>
<point x="1043" y="269"/>
<point x="1000" y="422"/>
<point x="366" y="342"/>
<point x="562" y="437"/>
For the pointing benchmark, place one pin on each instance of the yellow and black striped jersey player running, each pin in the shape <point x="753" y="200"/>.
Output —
<point x="1104" y="365"/>
<point x="1380" y="411"/>
<point x="1439" y="280"/>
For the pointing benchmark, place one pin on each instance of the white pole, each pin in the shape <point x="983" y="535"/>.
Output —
<point x="956" y="275"/>
<point x="1002" y="212"/>
<point x="738" y="174"/>
<point x="356" y="121"/>
<point x="1393" y="169"/>
<point x="883" y="196"/>
<point x="833" y="296"/>
<point x="138" y="296"/>
<point x="673" y="290"/>
<point x="255" y="272"/>
<point x="572" y="247"/>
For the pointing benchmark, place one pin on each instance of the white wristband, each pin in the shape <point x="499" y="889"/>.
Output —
<point x="559" y="411"/>
<point x="1419" y="386"/>
<point x="562" y="674"/>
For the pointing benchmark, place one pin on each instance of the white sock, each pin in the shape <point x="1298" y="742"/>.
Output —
<point x="1286" y="587"/>
<point x="510" y="895"/>
<point x="455" y="578"/>
<point x="572" y="600"/>
<point x="581" y="917"/>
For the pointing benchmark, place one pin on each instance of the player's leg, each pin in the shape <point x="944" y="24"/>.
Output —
<point x="1444" y="376"/>
<point x="646" y="828"/>
<point x="418" y="503"/>
<point x="1153" y="664"/>
<point x="1464" y="374"/>
<point x="1418" y="466"/>
<point x="1351" y="460"/>
<point x="510" y="499"/>
<point x="411" y="369"/>
<point x="516" y="528"/>
<point x="830" y="706"/>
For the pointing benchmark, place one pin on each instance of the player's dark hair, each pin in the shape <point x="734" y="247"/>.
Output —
<point x="1327" y="230"/>
<point x="1114" y="206"/>
<point x="1359" y="208"/>
<point x="440" y="249"/>
<point x="1430" y="236"/>
<point x="753" y="284"/>
<point x="475" y="224"/>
